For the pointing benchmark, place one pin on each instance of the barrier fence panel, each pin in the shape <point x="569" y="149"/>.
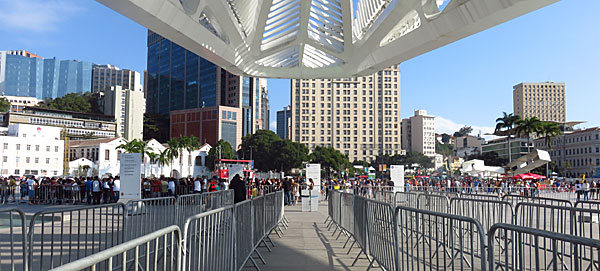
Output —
<point x="533" y="249"/>
<point x="515" y="199"/>
<point x="209" y="240"/>
<point x="148" y="215"/>
<point x="189" y="205"/>
<point x="244" y="223"/>
<point x="159" y="250"/>
<point x="435" y="203"/>
<point x="407" y="199"/>
<point x="385" y="196"/>
<point x="360" y="223"/>
<point x="594" y="205"/>
<point x="435" y="241"/>
<point x="258" y="207"/>
<point x="480" y="196"/>
<point x="13" y="235"/>
<point x="381" y="238"/>
<point x="335" y="199"/>
<point x="347" y="212"/>
<point x="270" y="218"/>
<point x="486" y="212"/>
<point x="57" y="237"/>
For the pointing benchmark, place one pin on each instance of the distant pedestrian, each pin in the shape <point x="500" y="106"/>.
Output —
<point x="239" y="189"/>
<point x="116" y="189"/>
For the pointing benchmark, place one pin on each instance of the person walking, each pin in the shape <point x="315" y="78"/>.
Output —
<point x="197" y="186"/>
<point x="287" y="187"/>
<point x="578" y="189"/>
<point x="239" y="189"/>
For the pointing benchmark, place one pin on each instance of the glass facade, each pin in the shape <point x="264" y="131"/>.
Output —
<point x="177" y="78"/>
<point x="43" y="78"/>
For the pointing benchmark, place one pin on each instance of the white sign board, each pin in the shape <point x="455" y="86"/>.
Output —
<point x="131" y="175"/>
<point x="235" y="169"/>
<point x="397" y="175"/>
<point x="313" y="171"/>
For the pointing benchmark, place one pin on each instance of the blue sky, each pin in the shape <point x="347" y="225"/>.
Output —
<point x="467" y="82"/>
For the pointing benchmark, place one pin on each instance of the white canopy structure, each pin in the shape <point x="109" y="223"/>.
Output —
<point x="529" y="162"/>
<point x="317" y="38"/>
<point x="479" y="169"/>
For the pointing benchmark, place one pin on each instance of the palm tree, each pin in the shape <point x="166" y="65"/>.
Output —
<point x="528" y="126"/>
<point x="507" y="122"/>
<point x="191" y="144"/>
<point x="137" y="146"/>
<point x="550" y="130"/>
<point x="164" y="157"/>
<point x="175" y="147"/>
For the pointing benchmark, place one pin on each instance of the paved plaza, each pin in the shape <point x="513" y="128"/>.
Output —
<point x="308" y="245"/>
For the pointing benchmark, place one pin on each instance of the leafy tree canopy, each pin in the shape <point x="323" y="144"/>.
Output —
<point x="445" y="138"/>
<point x="288" y="154"/>
<point x="464" y="131"/>
<point x="226" y="153"/>
<point x="76" y="102"/>
<point x="444" y="149"/>
<point x="4" y="104"/>
<point x="489" y="159"/>
<point x="329" y="158"/>
<point x="407" y="160"/>
<point x="262" y="147"/>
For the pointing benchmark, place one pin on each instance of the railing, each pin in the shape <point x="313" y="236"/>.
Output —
<point x="14" y="232"/>
<point x="54" y="237"/>
<point x="449" y="231"/>
<point x="159" y="250"/>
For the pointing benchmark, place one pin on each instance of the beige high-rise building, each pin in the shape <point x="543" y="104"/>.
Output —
<point x="418" y="133"/>
<point x="358" y="116"/>
<point x="546" y="101"/>
<point x="128" y="107"/>
<point x="106" y="76"/>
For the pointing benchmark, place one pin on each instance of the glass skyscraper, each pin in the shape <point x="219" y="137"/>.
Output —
<point x="178" y="79"/>
<point x="42" y="78"/>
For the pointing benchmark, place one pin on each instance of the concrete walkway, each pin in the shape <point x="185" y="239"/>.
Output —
<point x="308" y="245"/>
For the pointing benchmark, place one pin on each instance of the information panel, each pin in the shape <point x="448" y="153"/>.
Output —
<point x="397" y="175"/>
<point x="313" y="171"/>
<point x="131" y="176"/>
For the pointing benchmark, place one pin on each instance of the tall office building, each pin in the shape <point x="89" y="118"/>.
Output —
<point x="418" y="133"/>
<point x="264" y="103"/>
<point x="546" y="101"/>
<point x="358" y="116"/>
<point x="283" y="122"/>
<point x="180" y="83"/>
<point x="28" y="75"/>
<point x="106" y="76"/>
<point x="128" y="107"/>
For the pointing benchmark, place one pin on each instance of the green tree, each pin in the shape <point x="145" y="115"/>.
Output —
<point x="224" y="149"/>
<point x="153" y="157"/>
<point x="526" y="127"/>
<point x="330" y="159"/>
<point x="75" y="102"/>
<point x="165" y="157"/>
<point x="464" y="131"/>
<point x="505" y="127"/>
<point x="260" y="146"/>
<point x="177" y="145"/>
<point x="157" y="127"/>
<point x="190" y="144"/>
<point x="550" y="130"/>
<point x="446" y="150"/>
<point x="445" y="138"/>
<point x="4" y="104"/>
<point x="289" y="154"/>
<point x="136" y="146"/>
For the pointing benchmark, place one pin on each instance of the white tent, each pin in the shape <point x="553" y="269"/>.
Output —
<point x="479" y="169"/>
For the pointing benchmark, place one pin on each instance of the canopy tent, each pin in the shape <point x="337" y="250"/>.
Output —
<point x="529" y="176"/>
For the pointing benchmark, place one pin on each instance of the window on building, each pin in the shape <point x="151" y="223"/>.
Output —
<point x="5" y="146"/>
<point x="27" y="159"/>
<point x="106" y="155"/>
<point x="118" y="155"/>
<point x="37" y="160"/>
<point x="47" y="160"/>
<point x="18" y="147"/>
<point x="5" y="159"/>
<point x="37" y="147"/>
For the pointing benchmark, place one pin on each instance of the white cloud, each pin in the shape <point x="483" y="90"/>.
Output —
<point x="447" y="126"/>
<point x="36" y="15"/>
<point x="273" y="126"/>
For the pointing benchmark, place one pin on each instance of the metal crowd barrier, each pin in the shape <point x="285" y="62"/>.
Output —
<point x="429" y="240"/>
<point x="57" y="237"/>
<point x="148" y="215"/>
<point x="220" y="240"/>
<point x="454" y="237"/>
<point x="14" y="233"/>
<point x="533" y="249"/>
<point x="159" y="250"/>
<point x="515" y="199"/>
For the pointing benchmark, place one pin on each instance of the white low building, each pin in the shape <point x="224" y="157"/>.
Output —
<point x="105" y="156"/>
<point x="31" y="150"/>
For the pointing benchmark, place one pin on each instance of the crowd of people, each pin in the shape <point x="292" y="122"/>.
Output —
<point x="94" y="190"/>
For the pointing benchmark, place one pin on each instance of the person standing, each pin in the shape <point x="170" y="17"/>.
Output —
<point x="31" y="186"/>
<point x="239" y="189"/>
<point x="116" y="189"/>
<point x="89" y="190"/>
<point x="96" y="190"/>
<point x="578" y="189"/>
<point x="171" y="187"/>
<point x="106" y="190"/>
<point x="287" y="187"/>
